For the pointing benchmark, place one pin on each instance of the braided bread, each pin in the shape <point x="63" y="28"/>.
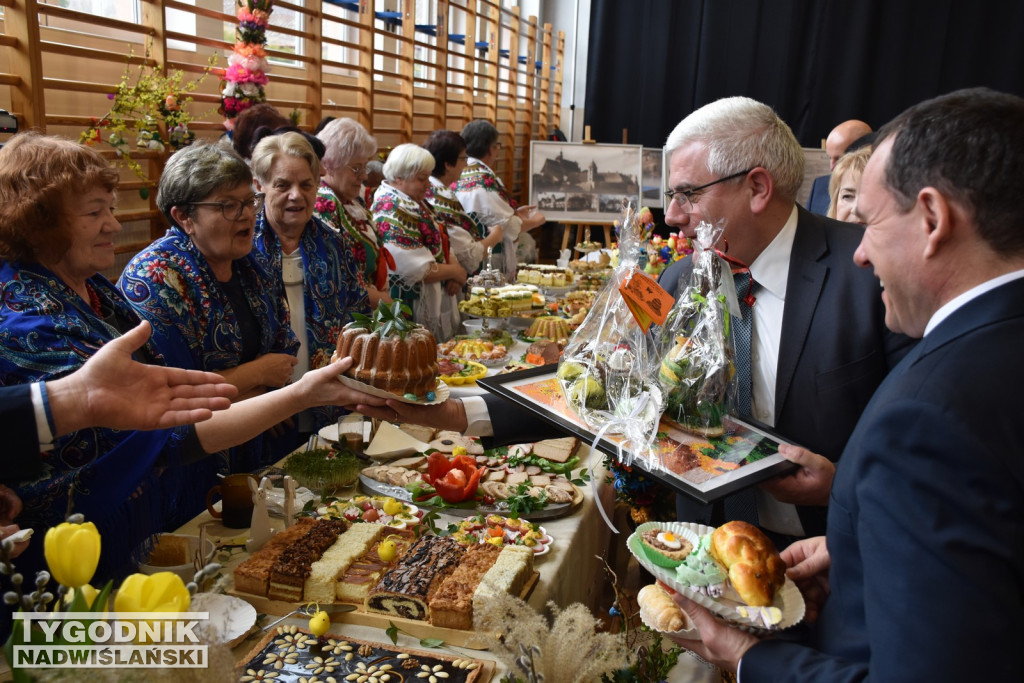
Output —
<point x="755" y="568"/>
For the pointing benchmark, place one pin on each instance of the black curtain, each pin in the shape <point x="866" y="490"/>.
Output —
<point x="816" y="62"/>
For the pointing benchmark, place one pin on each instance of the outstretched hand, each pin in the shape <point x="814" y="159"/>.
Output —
<point x="809" y="484"/>
<point x="112" y="390"/>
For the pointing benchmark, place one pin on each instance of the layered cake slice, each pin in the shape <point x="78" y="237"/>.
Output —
<point x="452" y="605"/>
<point x="253" y="575"/>
<point x="510" y="573"/>
<point x="364" y="573"/>
<point x="288" y="575"/>
<point x="324" y="573"/>
<point x="406" y="590"/>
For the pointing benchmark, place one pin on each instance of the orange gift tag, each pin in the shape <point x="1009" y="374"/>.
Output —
<point x="647" y="301"/>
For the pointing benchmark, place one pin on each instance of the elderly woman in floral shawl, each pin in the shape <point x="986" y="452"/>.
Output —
<point x="426" y="275"/>
<point x="57" y="231"/>
<point x="348" y="148"/>
<point x="320" y="274"/>
<point x="470" y="239"/>
<point x="212" y="305"/>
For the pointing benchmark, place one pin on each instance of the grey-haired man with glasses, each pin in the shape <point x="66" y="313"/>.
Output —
<point x="818" y="344"/>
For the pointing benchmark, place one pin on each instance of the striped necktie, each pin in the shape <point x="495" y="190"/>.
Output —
<point x="741" y="335"/>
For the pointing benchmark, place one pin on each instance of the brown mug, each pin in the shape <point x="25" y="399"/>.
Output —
<point x="236" y="501"/>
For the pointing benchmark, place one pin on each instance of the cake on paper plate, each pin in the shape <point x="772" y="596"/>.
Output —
<point x="391" y="353"/>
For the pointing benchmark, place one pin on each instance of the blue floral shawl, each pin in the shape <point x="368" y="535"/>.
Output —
<point x="123" y="481"/>
<point x="171" y="284"/>
<point x="331" y="285"/>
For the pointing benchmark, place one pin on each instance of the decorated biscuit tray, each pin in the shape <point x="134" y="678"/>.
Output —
<point x="289" y="653"/>
<point x="789" y="603"/>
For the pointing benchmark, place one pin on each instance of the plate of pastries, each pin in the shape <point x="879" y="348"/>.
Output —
<point x="733" y="570"/>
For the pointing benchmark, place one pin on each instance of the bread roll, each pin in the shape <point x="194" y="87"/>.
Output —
<point x="662" y="612"/>
<point x="755" y="568"/>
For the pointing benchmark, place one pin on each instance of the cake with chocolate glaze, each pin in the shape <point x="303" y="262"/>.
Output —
<point x="289" y="653"/>
<point x="389" y="352"/>
<point x="406" y="590"/>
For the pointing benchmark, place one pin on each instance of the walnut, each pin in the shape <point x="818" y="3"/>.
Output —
<point x="410" y="664"/>
<point x="365" y="650"/>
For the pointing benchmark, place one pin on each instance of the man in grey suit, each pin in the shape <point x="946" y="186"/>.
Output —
<point x="819" y="344"/>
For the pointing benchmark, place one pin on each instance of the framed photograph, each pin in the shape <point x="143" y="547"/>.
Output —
<point x="652" y="179"/>
<point x="704" y="468"/>
<point x="572" y="182"/>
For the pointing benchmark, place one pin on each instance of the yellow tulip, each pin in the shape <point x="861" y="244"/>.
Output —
<point x="87" y="591"/>
<point x="160" y="592"/>
<point x="72" y="553"/>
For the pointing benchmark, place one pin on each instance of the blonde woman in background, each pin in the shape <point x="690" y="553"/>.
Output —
<point x="842" y="186"/>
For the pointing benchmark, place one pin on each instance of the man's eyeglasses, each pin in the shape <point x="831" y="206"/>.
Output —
<point x="684" y="198"/>
<point x="233" y="209"/>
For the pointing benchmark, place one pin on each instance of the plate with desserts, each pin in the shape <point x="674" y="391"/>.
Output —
<point x="734" y="571"/>
<point x="391" y="357"/>
<point x="501" y="531"/>
<point x="459" y="371"/>
<point x="426" y="585"/>
<point x="487" y="353"/>
<point x="384" y="510"/>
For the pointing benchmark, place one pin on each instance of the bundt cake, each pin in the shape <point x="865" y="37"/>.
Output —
<point x="549" y="327"/>
<point x="389" y="352"/>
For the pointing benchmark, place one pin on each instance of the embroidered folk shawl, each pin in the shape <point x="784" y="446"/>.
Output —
<point x="117" y="477"/>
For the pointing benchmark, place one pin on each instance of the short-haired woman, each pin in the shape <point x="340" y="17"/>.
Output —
<point x="342" y="171"/>
<point x="426" y="275"/>
<point x="212" y="305"/>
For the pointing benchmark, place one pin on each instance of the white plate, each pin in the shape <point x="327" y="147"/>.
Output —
<point x="788" y="599"/>
<point x="230" y="620"/>
<point x="390" y="442"/>
<point x="440" y="394"/>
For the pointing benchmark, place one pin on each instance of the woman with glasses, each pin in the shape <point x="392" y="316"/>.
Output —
<point x="57" y="233"/>
<point x="469" y="237"/>
<point x="342" y="172"/>
<point x="211" y="304"/>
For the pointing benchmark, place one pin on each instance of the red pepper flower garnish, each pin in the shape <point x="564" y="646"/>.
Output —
<point x="454" y="480"/>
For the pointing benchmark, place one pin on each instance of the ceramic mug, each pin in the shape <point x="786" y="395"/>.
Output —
<point x="236" y="501"/>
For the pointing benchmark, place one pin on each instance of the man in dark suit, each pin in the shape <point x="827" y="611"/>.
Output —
<point x="927" y="509"/>
<point x="820" y="347"/>
<point x="846" y="137"/>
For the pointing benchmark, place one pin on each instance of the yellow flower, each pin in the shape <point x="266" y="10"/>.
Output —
<point x="160" y="592"/>
<point x="72" y="553"/>
<point x="87" y="591"/>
